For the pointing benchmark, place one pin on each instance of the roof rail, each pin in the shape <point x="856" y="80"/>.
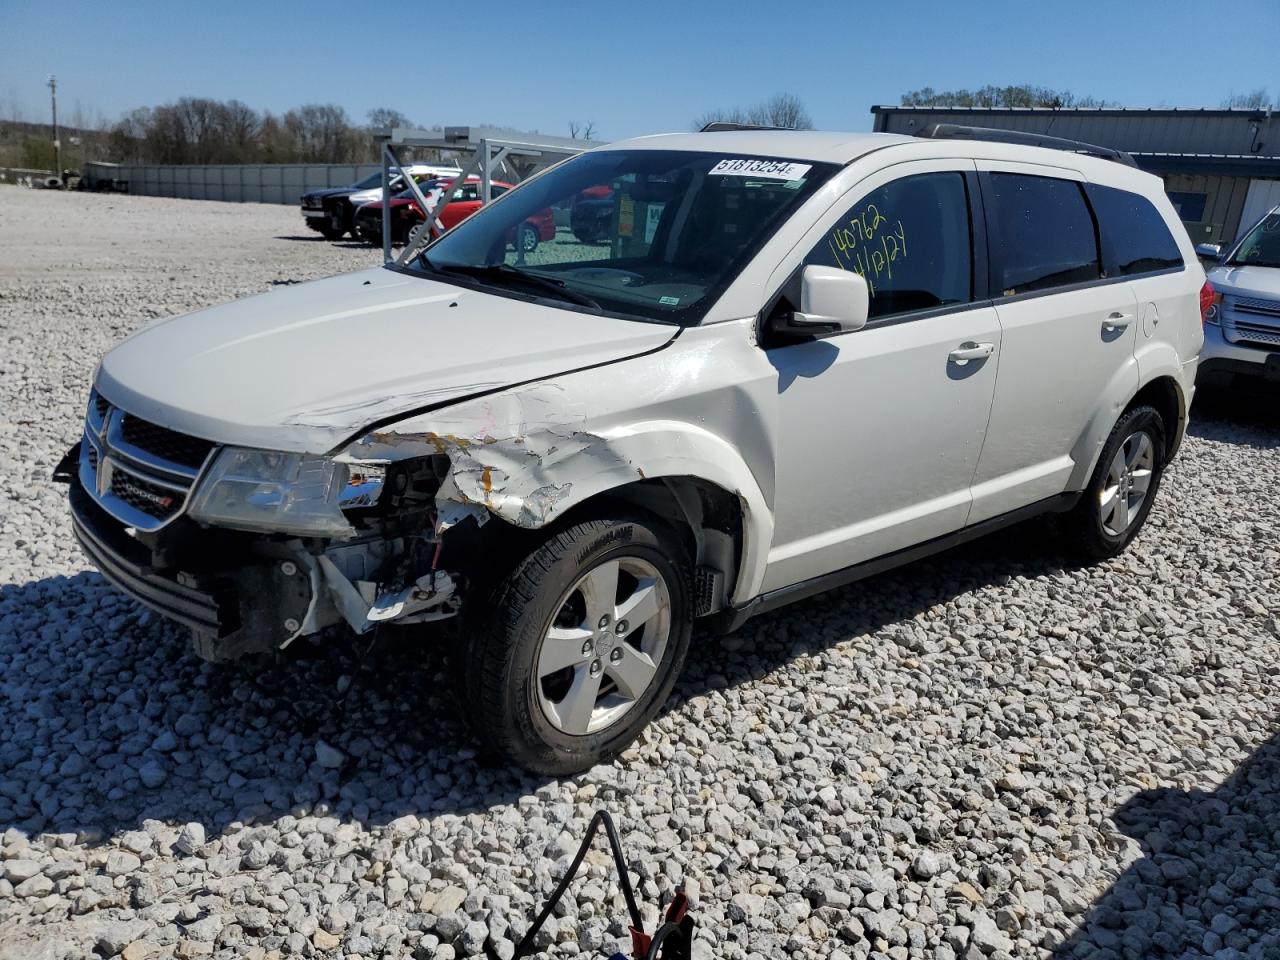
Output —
<point x="955" y="131"/>
<point x="720" y="126"/>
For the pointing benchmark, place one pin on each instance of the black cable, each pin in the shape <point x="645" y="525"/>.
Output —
<point x="602" y="816"/>
<point x="664" y="931"/>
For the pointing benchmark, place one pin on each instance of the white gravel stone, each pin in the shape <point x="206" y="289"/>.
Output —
<point x="1089" y="753"/>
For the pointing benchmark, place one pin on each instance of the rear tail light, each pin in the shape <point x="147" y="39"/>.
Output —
<point x="1210" y="303"/>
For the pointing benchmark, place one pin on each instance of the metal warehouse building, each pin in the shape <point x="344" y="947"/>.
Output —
<point x="1221" y="168"/>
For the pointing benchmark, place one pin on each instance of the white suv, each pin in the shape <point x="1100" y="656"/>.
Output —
<point x="796" y="359"/>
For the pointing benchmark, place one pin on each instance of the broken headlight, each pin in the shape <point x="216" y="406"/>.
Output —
<point x="273" y="492"/>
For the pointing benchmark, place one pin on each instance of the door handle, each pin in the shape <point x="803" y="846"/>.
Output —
<point x="971" y="351"/>
<point x="1116" y="321"/>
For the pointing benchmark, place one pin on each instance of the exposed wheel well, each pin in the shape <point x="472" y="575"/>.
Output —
<point x="708" y="516"/>
<point x="1164" y="394"/>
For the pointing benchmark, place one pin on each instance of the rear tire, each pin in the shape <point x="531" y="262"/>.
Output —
<point x="1123" y="487"/>
<point x="564" y="663"/>
<point x="528" y="238"/>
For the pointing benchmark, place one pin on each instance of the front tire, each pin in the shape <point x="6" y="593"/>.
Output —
<point x="579" y="646"/>
<point x="1123" y="487"/>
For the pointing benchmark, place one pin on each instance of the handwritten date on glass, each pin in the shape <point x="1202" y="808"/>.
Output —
<point x="869" y="245"/>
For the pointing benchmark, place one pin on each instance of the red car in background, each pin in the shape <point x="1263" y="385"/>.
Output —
<point x="406" y="213"/>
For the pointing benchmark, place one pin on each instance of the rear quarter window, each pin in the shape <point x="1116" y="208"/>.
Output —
<point x="1135" y="238"/>
<point x="1044" y="234"/>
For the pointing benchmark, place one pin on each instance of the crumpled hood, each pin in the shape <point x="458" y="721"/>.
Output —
<point x="1263" y="282"/>
<point x="303" y="368"/>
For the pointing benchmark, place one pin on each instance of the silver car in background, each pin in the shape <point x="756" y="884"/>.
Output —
<point x="1242" y="325"/>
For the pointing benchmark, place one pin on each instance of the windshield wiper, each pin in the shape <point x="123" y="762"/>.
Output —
<point x="502" y="274"/>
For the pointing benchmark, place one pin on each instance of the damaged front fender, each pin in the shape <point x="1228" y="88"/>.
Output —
<point x="530" y="454"/>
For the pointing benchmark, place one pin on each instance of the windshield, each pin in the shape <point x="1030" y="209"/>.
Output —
<point x="1261" y="247"/>
<point x="368" y="183"/>
<point x="650" y="234"/>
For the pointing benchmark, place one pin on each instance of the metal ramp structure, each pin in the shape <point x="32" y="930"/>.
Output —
<point x="489" y="150"/>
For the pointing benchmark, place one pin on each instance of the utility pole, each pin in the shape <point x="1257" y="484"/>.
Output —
<point x="57" y="147"/>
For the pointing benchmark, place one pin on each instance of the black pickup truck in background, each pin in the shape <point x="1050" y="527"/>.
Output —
<point x="330" y="212"/>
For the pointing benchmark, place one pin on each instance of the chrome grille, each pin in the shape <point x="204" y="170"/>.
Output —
<point x="139" y="472"/>
<point x="1268" y="308"/>
<point x="165" y="443"/>
<point x="1256" y="333"/>
<point x="160" y="502"/>
<point x="1251" y="321"/>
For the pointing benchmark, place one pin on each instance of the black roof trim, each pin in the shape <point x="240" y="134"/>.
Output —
<point x="722" y="126"/>
<point x="954" y="131"/>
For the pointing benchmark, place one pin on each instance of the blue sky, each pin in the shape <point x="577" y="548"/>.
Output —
<point x="633" y="68"/>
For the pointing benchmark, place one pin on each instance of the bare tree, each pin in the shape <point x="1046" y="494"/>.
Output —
<point x="324" y="134"/>
<point x="388" y="117"/>
<point x="1256" y="100"/>
<point x="1020" y="95"/>
<point x="582" y="131"/>
<point x="237" y="126"/>
<point x="783" y="110"/>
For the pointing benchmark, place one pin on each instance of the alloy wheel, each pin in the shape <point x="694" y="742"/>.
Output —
<point x="602" y="650"/>
<point x="1128" y="481"/>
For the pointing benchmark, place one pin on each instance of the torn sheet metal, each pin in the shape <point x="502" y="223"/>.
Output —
<point x="512" y="455"/>
<point x="429" y="598"/>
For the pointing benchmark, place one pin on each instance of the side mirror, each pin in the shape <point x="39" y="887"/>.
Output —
<point x="1209" y="251"/>
<point x="832" y="301"/>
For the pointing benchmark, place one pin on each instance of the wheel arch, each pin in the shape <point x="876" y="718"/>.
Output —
<point x="710" y="518"/>
<point x="1165" y="395"/>
<point x="1137" y="383"/>
<point x="679" y="471"/>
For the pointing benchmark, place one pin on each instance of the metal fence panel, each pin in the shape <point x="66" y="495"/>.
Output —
<point x="233" y="183"/>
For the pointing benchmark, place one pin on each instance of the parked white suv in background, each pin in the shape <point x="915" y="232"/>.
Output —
<point x="1242" y="326"/>
<point x="797" y="359"/>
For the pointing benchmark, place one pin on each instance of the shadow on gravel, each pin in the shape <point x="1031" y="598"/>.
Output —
<point x="341" y="244"/>
<point x="1245" y="417"/>
<point x="107" y="719"/>
<point x="1209" y="880"/>
<point x="871" y="605"/>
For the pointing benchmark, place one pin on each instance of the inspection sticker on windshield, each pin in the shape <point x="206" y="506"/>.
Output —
<point x="768" y="169"/>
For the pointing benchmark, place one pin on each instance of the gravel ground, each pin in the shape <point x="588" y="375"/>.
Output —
<point x="989" y="754"/>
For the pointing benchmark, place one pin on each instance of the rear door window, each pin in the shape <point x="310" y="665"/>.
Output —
<point x="1044" y="234"/>
<point x="910" y="240"/>
<point x="1134" y="236"/>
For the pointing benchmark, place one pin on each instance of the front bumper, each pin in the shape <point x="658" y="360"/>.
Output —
<point x="251" y="607"/>
<point x="127" y="564"/>
<point x="1223" y="362"/>
<point x="242" y="594"/>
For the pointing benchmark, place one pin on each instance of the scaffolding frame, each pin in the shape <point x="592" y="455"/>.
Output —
<point x="488" y="149"/>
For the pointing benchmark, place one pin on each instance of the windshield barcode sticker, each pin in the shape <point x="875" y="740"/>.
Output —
<point x="767" y="169"/>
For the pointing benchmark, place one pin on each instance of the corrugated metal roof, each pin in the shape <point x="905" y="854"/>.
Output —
<point x="1225" y="165"/>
